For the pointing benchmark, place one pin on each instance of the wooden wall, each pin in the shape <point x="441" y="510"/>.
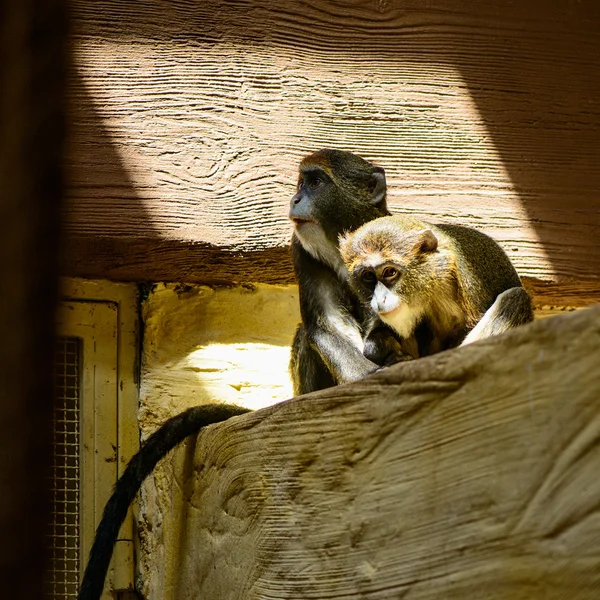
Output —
<point x="188" y="119"/>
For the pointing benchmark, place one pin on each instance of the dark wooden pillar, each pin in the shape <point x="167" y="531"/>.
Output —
<point x="32" y="70"/>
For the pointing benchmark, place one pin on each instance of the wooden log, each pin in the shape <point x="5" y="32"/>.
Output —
<point x="187" y="126"/>
<point x="469" y="474"/>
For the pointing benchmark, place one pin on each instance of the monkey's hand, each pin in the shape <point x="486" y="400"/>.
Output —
<point x="383" y="348"/>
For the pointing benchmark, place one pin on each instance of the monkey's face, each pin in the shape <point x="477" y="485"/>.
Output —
<point x="379" y="284"/>
<point x="337" y="192"/>
<point x="389" y="271"/>
<point x="309" y="213"/>
<point x="382" y="285"/>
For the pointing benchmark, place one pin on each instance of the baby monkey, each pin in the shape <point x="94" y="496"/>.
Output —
<point x="436" y="286"/>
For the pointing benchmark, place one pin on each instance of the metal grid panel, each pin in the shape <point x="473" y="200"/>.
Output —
<point x="62" y="578"/>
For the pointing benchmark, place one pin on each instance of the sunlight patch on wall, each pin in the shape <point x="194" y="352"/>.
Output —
<point x="252" y="375"/>
<point x="204" y="345"/>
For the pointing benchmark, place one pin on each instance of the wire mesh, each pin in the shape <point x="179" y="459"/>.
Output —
<point x="62" y="578"/>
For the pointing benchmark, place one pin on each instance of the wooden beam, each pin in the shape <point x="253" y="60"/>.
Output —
<point x="472" y="473"/>
<point x="156" y="259"/>
<point x="187" y="126"/>
<point x="548" y="295"/>
<point x="123" y="259"/>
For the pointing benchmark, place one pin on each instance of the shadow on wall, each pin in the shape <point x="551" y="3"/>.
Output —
<point x="529" y="67"/>
<point x="108" y="232"/>
<point x="540" y="100"/>
<point x="102" y="203"/>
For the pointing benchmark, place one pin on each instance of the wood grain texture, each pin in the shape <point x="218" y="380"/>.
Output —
<point x="470" y="474"/>
<point x="189" y="119"/>
<point x="550" y="295"/>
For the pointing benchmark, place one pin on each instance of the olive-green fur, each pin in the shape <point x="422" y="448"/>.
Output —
<point x="350" y="172"/>
<point x="467" y="268"/>
<point x="350" y="203"/>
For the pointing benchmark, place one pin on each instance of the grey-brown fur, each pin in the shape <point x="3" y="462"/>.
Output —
<point x="450" y="277"/>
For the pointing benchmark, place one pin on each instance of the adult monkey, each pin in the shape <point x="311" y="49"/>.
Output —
<point x="337" y="192"/>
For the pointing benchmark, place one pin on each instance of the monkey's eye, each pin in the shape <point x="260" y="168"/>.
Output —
<point x="367" y="276"/>
<point x="390" y="273"/>
<point x="315" y="183"/>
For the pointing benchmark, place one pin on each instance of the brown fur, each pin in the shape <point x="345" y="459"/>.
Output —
<point x="452" y="284"/>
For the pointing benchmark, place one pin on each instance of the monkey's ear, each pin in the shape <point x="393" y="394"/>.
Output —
<point x="377" y="185"/>
<point x="426" y="241"/>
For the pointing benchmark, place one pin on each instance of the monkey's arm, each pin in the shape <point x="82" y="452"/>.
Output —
<point x="157" y="446"/>
<point x="343" y="358"/>
<point x="327" y="307"/>
<point x="337" y="336"/>
<point x="511" y="308"/>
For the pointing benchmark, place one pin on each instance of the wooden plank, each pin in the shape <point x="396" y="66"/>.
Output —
<point x="187" y="126"/>
<point x="575" y="294"/>
<point x="472" y="473"/>
<point x="162" y="260"/>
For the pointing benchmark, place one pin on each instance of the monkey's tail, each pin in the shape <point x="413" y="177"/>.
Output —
<point x="164" y="439"/>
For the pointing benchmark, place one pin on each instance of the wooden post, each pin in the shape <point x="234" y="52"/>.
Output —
<point x="32" y="69"/>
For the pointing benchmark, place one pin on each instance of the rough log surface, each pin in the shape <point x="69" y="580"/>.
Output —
<point x="470" y="474"/>
<point x="188" y="121"/>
